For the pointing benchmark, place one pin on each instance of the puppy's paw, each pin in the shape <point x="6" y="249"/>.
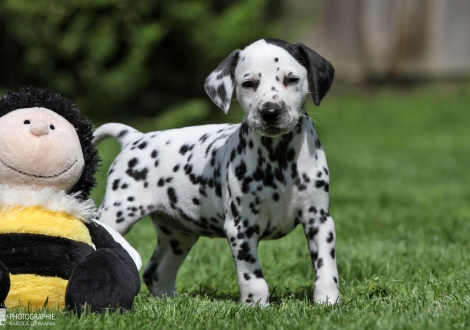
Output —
<point x="326" y="294"/>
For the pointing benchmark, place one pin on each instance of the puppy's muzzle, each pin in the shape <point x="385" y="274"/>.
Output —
<point x="270" y="112"/>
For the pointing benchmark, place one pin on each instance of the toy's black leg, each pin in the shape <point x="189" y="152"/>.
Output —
<point x="4" y="283"/>
<point x="101" y="281"/>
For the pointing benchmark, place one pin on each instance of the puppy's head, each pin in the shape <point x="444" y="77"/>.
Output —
<point x="272" y="79"/>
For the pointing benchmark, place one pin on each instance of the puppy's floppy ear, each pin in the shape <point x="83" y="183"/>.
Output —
<point x="221" y="82"/>
<point x="320" y="72"/>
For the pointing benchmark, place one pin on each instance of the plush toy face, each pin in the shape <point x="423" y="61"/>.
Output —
<point x="39" y="148"/>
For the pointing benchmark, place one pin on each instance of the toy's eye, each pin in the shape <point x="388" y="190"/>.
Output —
<point x="51" y="127"/>
<point x="26" y="122"/>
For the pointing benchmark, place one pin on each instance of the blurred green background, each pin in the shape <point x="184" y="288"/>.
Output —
<point x="121" y="58"/>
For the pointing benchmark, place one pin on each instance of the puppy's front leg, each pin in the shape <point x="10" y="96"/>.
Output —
<point x="320" y="232"/>
<point x="243" y="237"/>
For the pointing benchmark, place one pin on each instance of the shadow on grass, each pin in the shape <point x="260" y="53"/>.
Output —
<point x="213" y="294"/>
<point x="277" y="295"/>
<point x="304" y="293"/>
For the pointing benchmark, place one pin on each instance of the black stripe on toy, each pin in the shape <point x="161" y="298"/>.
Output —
<point x="41" y="254"/>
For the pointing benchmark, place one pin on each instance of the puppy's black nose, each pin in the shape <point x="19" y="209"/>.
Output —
<point x="270" y="112"/>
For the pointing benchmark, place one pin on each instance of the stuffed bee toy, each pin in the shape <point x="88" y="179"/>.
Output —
<point x="52" y="254"/>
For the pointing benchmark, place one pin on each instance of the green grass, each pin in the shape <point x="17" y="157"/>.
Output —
<point x="400" y="197"/>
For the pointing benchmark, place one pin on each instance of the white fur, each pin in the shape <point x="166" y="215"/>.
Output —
<point x="47" y="198"/>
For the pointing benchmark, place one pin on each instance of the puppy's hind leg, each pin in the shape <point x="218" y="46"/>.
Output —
<point x="171" y="250"/>
<point x="117" y="214"/>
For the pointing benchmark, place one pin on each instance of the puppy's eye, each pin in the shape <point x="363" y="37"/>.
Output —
<point x="248" y="84"/>
<point x="51" y="127"/>
<point x="26" y="122"/>
<point x="291" y="80"/>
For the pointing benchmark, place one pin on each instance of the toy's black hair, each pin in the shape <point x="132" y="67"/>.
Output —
<point x="29" y="97"/>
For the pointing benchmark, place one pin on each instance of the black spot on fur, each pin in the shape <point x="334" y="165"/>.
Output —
<point x="314" y="255"/>
<point x="250" y="231"/>
<point x="258" y="273"/>
<point x="222" y="93"/>
<point x="244" y="253"/>
<point x="122" y="133"/>
<point x="330" y="237"/>
<point x="203" y="138"/>
<point x="240" y="171"/>
<point x="175" y="246"/>
<point x="317" y="144"/>
<point x="333" y="253"/>
<point x="172" y="195"/>
<point x="115" y="184"/>
<point x="233" y="207"/>
<point x="312" y="232"/>
<point x="136" y="174"/>
<point x="133" y="162"/>
<point x="184" y="149"/>
<point x="276" y="197"/>
<point x="319" y="183"/>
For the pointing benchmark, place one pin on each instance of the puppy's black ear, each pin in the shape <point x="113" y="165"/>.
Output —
<point x="320" y="72"/>
<point x="221" y="82"/>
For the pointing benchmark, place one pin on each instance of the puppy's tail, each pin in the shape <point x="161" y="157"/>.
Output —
<point x="123" y="133"/>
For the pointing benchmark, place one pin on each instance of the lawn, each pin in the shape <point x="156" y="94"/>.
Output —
<point x="399" y="159"/>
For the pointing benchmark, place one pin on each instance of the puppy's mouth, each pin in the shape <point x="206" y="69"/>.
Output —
<point x="272" y="131"/>
<point x="37" y="175"/>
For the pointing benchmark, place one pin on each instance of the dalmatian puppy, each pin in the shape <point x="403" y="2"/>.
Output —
<point x="247" y="182"/>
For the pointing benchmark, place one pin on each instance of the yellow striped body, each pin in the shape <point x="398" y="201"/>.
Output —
<point x="46" y="239"/>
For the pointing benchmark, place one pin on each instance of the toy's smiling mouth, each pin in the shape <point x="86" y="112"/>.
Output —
<point x="36" y="175"/>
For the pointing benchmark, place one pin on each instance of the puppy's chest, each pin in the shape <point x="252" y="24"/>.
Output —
<point x="271" y="184"/>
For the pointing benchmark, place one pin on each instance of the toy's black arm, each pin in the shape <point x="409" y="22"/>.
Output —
<point x="4" y="284"/>
<point x="105" y="278"/>
<point x="102" y="239"/>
